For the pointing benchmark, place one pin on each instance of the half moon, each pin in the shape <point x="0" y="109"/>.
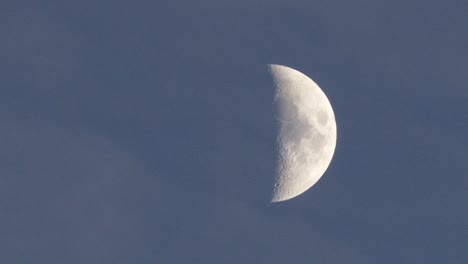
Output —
<point x="306" y="137"/>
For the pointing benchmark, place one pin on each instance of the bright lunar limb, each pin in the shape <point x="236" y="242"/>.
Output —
<point x="306" y="137"/>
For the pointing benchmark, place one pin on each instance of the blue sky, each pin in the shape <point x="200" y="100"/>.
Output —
<point x="142" y="132"/>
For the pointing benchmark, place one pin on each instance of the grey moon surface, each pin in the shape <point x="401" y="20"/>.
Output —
<point x="306" y="136"/>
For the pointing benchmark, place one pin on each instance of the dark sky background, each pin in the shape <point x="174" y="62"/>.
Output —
<point x="142" y="131"/>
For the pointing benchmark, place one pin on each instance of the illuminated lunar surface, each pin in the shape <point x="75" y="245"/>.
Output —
<point x="306" y="137"/>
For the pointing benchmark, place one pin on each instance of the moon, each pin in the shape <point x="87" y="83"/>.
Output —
<point x="306" y="136"/>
